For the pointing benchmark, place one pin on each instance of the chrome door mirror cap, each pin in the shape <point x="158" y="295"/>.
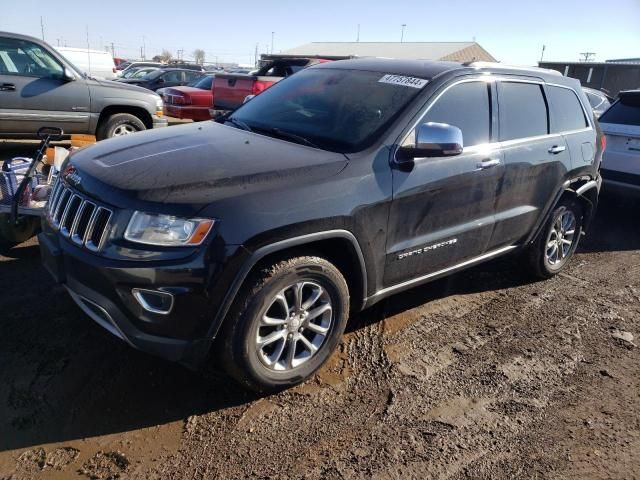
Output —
<point x="438" y="140"/>
<point x="435" y="140"/>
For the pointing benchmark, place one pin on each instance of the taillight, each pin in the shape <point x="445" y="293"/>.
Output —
<point x="604" y="142"/>
<point x="260" y="86"/>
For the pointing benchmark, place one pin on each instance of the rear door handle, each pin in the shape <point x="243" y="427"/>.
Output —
<point x="488" y="163"/>
<point x="7" y="87"/>
<point x="556" y="149"/>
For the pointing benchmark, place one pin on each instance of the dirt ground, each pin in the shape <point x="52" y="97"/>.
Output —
<point x="481" y="375"/>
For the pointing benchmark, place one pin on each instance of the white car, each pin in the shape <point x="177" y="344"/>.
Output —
<point x="621" y="162"/>
<point x="95" y="63"/>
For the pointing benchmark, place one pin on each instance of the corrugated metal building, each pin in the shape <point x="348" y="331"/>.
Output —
<point x="609" y="76"/>
<point x="452" y="51"/>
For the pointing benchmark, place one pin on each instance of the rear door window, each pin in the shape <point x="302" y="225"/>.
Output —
<point x="625" y="111"/>
<point x="466" y="106"/>
<point x="567" y="110"/>
<point x="523" y="110"/>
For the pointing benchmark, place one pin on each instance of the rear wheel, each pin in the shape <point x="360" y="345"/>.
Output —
<point x="550" y="253"/>
<point x="285" y="324"/>
<point x="118" y="125"/>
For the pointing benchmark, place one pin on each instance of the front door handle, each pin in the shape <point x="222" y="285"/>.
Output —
<point x="556" y="149"/>
<point x="488" y="163"/>
<point x="7" y="87"/>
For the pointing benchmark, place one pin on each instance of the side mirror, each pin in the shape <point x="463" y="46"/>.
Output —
<point x="161" y="80"/>
<point x="435" y="140"/>
<point x="68" y="75"/>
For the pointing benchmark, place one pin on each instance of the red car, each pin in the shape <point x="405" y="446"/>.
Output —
<point x="191" y="101"/>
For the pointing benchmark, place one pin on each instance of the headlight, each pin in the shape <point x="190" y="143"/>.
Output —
<point x="167" y="230"/>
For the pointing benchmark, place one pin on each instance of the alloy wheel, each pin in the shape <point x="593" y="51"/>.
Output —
<point x="561" y="238"/>
<point x="294" y="326"/>
<point x="124" y="129"/>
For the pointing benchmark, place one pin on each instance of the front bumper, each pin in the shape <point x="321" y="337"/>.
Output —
<point x="102" y="288"/>
<point x="159" y="122"/>
<point x="187" y="112"/>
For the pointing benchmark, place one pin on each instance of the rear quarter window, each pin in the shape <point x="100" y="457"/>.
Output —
<point x="567" y="110"/>
<point x="523" y="110"/>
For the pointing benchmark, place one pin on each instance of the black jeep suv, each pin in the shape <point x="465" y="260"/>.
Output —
<point x="253" y="237"/>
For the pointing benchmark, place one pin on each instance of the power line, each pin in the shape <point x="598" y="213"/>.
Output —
<point x="587" y="56"/>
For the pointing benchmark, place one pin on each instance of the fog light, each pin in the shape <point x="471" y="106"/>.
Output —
<point x="153" y="301"/>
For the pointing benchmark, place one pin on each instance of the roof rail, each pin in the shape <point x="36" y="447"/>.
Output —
<point x="511" y="67"/>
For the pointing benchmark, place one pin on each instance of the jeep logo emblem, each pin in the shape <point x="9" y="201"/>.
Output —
<point x="71" y="176"/>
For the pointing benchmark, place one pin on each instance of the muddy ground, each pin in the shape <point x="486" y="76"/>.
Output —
<point x="482" y="375"/>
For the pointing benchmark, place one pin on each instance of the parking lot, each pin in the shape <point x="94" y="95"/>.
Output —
<point x="481" y="375"/>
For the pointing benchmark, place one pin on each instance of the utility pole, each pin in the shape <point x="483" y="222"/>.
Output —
<point x="58" y="40"/>
<point x="402" y="33"/>
<point x="542" y="54"/>
<point x="255" y="57"/>
<point x="358" y="37"/>
<point x="143" y="53"/>
<point x="141" y="56"/>
<point x="272" y="35"/>
<point x="113" y="50"/>
<point x="42" y="27"/>
<point x="587" y="56"/>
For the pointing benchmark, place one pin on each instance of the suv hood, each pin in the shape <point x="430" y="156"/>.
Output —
<point x="197" y="164"/>
<point x="120" y="85"/>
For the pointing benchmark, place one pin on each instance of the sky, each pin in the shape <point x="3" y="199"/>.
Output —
<point x="513" y="31"/>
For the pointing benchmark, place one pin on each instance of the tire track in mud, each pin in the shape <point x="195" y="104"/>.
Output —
<point x="432" y="391"/>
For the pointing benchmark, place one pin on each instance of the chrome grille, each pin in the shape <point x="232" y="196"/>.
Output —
<point x="83" y="221"/>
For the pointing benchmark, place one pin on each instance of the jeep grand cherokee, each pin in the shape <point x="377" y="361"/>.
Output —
<point x="254" y="237"/>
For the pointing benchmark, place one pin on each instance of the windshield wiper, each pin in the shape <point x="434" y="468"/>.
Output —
<point x="291" y="136"/>
<point x="239" y="123"/>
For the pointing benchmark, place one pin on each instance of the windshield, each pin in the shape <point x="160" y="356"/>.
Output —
<point x="203" y="83"/>
<point x="339" y="110"/>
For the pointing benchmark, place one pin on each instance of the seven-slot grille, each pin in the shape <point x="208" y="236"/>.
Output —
<point x="77" y="218"/>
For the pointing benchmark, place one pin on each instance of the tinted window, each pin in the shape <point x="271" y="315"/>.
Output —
<point x="625" y="111"/>
<point x="173" y="76"/>
<point x="191" y="76"/>
<point x="567" y="111"/>
<point x="523" y="111"/>
<point x="19" y="57"/>
<point x="466" y="106"/>
<point x="337" y="109"/>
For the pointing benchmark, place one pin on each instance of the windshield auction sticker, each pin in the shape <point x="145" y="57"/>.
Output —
<point x="404" y="81"/>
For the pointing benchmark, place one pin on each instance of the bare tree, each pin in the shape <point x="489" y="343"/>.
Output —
<point x="165" y="56"/>
<point x="198" y="55"/>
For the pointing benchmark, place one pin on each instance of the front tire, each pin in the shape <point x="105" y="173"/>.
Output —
<point x="118" y="125"/>
<point x="12" y="234"/>
<point x="286" y="322"/>
<point x="558" y="241"/>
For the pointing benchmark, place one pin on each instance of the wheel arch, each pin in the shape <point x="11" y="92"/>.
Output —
<point x="583" y="189"/>
<point x="340" y="247"/>
<point x="138" y="112"/>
